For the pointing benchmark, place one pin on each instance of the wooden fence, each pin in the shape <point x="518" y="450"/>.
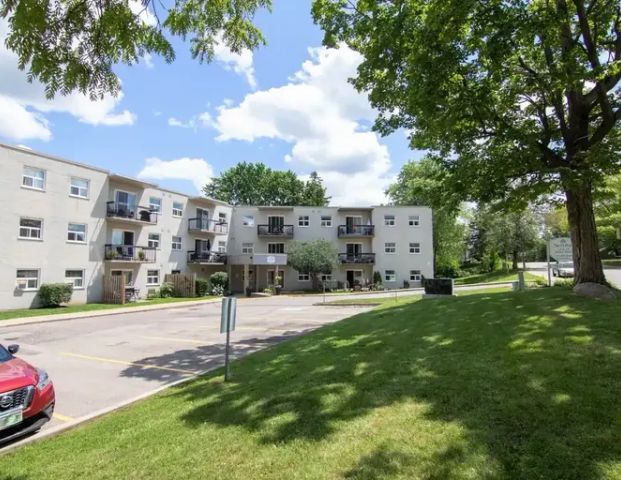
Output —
<point x="184" y="284"/>
<point x="114" y="289"/>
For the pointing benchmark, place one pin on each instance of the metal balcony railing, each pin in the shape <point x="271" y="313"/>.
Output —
<point x="129" y="253"/>
<point x="282" y="231"/>
<point x="207" y="225"/>
<point x="357" y="258"/>
<point x="356" y="230"/>
<point x="131" y="212"/>
<point x="206" y="257"/>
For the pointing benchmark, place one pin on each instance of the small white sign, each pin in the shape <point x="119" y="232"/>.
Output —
<point x="271" y="259"/>
<point x="560" y="250"/>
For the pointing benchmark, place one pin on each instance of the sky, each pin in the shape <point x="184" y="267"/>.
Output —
<point x="287" y="104"/>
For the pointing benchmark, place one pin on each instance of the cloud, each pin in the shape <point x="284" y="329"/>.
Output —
<point x="324" y="119"/>
<point x="148" y="60"/>
<point x="25" y="103"/>
<point x="196" y="170"/>
<point x="202" y="120"/>
<point x="241" y="63"/>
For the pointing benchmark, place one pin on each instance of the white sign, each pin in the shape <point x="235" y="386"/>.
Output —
<point x="560" y="250"/>
<point x="271" y="259"/>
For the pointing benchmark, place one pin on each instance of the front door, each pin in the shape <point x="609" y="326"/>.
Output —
<point x="354" y="277"/>
<point x="271" y="277"/>
<point x="276" y="223"/>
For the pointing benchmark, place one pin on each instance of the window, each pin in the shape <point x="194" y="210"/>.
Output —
<point x="303" y="277"/>
<point x="153" y="277"/>
<point x="33" y="178"/>
<point x="248" y="221"/>
<point x="28" y="279"/>
<point x="30" y="228"/>
<point x="222" y="247"/>
<point x="247" y="248"/>
<point x="78" y="187"/>
<point x="326" y="221"/>
<point x="390" y="247"/>
<point x="390" y="276"/>
<point x="414" y="247"/>
<point x="326" y="277"/>
<point x="275" y="248"/>
<point x="175" y="272"/>
<point x="154" y="240"/>
<point x="155" y="204"/>
<point x="414" y="220"/>
<point x="177" y="209"/>
<point x="76" y="232"/>
<point x="389" y="220"/>
<point x="303" y="221"/>
<point x="176" y="243"/>
<point x="75" y="278"/>
<point x="222" y="217"/>
<point x="415" y="276"/>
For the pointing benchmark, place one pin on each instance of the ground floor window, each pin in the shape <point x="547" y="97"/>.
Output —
<point x="390" y="276"/>
<point x="175" y="272"/>
<point x="75" y="278"/>
<point x="326" y="277"/>
<point x="415" y="276"/>
<point x="28" y="279"/>
<point x="303" y="277"/>
<point x="153" y="277"/>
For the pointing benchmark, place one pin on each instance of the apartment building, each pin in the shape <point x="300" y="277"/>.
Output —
<point x="63" y="221"/>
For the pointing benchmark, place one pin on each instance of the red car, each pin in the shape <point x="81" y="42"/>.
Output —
<point x="26" y="396"/>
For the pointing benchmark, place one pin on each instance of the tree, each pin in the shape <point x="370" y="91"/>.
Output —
<point x="315" y="257"/>
<point x="69" y="45"/>
<point x="608" y="215"/>
<point x="257" y="184"/>
<point x="517" y="98"/>
<point x="423" y="183"/>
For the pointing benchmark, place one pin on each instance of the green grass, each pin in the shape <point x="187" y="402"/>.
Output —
<point x="482" y="386"/>
<point x="87" y="307"/>
<point x="498" y="276"/>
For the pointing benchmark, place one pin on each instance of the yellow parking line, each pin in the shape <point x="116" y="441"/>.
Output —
<point x="175" y="339"/>
<point x="63" y="418"/>
<point x="123" y="362"/>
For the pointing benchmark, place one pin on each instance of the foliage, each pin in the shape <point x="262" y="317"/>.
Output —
<point x="314" y="257"/>
<point x="167" y="290"/>
<point x="55" y="294"/>
<point x="377" y="278"/>
<point x="218" y="283"/>
<point x="257" y="184"/>
<point x="555" y="222"/>
<point x="516" y="99"/>
<point x="71" y="46"/>
<point x="202" y="287"/>
<point x="608" y="214"/>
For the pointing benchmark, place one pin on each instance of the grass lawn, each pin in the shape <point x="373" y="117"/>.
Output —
<point x="612" y="262"/>
<point x="87" y="307"/>
<point x="500" y="385"/>
<point x="498" y="276"/>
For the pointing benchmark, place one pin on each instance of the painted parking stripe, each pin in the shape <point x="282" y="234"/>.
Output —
<point x="63" y="418"/>
<point x="175" y="339"/>
<point x="123" y="362"/>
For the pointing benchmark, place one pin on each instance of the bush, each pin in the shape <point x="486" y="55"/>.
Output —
<point x="167" y="290"/>
<point x="202" y="287"/>
<point x="218" y="283"/>
<point x="448" y="271"/>
<point x="406" y="284"/>
<point x="564" y="282"/>
<point x="438" y="286"/>
<point x="55" y="294"/>
<point x="377" y="277"/>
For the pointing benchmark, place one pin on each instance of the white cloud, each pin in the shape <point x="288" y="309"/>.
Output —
<point x="240" y="63"/>
<point x="196" y="170"/>
<point x="202" y="120"/>
<point x="25" y="103"/>
<point x="148" y="60"/>
<point x="325" y="119"/>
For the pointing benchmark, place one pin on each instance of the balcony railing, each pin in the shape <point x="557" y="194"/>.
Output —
<point x="356" y="230"/>
<point x="129" y="253"/>
<point x="282" y="231"/>
<point x="357" y="258"/>
<point x="207" y="225"/>
<point x="131" y="212"/>
<point x="206" y="257"/>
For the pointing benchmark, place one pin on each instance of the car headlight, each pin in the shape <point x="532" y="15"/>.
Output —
<point x="44" y="379"/>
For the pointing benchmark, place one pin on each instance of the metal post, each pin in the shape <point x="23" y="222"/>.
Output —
<point x="227" y="369"/>
<point x="324" y="291"/>
<point x="548" y="259"/>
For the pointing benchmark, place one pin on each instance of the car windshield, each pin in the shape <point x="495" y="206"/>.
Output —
<point x="4" y="354"/>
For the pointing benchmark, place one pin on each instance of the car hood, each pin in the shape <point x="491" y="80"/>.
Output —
<point x="15" y="374"/>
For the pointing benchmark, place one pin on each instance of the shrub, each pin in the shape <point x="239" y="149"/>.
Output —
<point x="152" y="293"/>
<point x="448" y="271"/>
<point x="438" y="286"/>
<point x="167" y="290"/>
<point x="406" y="284"/>
<point x="219" y="283"/>
<point x="564" y="282"/>
<point x="202" y="287"/>
<point x="55" y="294"/>
<point x="377" y="277"/>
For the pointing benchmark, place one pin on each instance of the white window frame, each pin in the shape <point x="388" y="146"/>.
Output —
<point x="72" y="280"/>
<point x="71" y="232"/>
<point x="387" y="220"/>
<point x="79" y="188"/>
<point x="177" y="212"/>
<point x="176" y="245"/>
<point x="416" y="277"/>
<point x="326" y="221"/>
<point x="303" y="277"/>
<point x="303" y="221"/>
<point x="221" y="246"/>
<point x="30" y="229"/>
<point x="413" y="249"/>
<point x="157" y="206"/>
<point x="394" y="276"/>
<point x="269" y="244"/>
<point x="151" y="277"/>
<point x="414" y="220"/>
<point x="153" y="243"/>
<point x="33" y="178"/>
<point x="222" y="217"/>
<point x="247" y="248"/>
<point x="27" y="280"/>
<point x="248" y="220"/>
<point x="326" y="277"/>
<point x="394" y="248"/>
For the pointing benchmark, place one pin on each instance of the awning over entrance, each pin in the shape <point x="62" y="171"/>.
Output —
<point x="269" y="259"/>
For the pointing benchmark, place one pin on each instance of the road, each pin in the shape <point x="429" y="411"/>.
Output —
<point x="102" y="362"/>
<point x="613" y="275"/>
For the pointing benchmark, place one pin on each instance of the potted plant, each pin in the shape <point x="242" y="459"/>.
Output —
<point x="141" y="255"/>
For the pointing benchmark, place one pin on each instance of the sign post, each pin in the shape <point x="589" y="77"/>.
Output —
<point x="227" y="325"/>
<point x="548" y="259"/>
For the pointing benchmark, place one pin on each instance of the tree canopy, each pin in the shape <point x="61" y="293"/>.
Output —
<point x="518" y="98"/>
<point x="314" y="257"/>
<point x="257" y="184"/>
<point x="75" y="45"/>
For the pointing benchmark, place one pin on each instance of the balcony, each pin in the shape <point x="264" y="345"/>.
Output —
<point x="206" y="257"/>
<point x="131" y="213"/>
<point x="349" y="231"/>
<point x="275" y="231"/>
<point x="204" y="225"/>
<point x="129" y="253"/>
<point x="357" y="258"/>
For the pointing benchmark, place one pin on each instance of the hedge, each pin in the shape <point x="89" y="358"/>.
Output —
<point x="55" y="294"/>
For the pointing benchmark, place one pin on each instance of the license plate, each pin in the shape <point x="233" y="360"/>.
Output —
<point x="10" y="418"/>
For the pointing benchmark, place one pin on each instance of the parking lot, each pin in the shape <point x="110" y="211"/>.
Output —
<point x="102" y="362"/>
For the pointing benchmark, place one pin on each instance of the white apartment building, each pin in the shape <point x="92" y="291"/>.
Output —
<point x="64" y="221"/>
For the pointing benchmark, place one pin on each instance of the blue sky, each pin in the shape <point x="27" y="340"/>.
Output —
<point x="287" y="104"/>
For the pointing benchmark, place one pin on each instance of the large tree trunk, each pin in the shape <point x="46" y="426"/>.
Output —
<point x="515" y="260"/>
<point x="587" y="261"/>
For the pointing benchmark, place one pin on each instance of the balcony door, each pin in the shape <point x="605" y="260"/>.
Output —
<point x="354" y="249"/>
<point x="122" y="237"/>
<point x="125" y="201"/>
<point x="276" y="223"/>
<point x="352" y="223"/>
<point x="202" y="216"/>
